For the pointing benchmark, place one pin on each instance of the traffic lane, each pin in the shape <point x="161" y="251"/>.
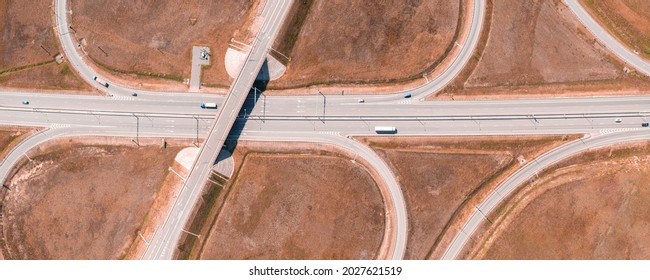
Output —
<point x="440" y="127"/>
<point x="452" y="127"/>
<point x="218" y="132"/>
<point x="314" y="105"/>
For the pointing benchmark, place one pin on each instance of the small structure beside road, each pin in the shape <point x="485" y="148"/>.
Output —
<point x="200" y="56"/>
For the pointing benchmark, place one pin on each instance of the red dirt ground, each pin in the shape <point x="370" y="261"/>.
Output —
<point x="81" y="201"/>
<point x="540" y="48"/>
<point x="439" y="175"/>
<point x="157" y="36"/>
<point x="369" y="42"/>
<point x="28" y="39"/>
<point x="629" y="20"/>
<point x="593" y="206"/>
<point x="302" y="205"/>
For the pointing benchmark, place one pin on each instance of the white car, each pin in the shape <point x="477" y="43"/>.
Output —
<point x="618" y="120"/>
<point x="360" y="100"/>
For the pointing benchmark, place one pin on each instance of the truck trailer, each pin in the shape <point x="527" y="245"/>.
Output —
<point x="100" y="81"/>
<point x="385" y="129"/>
<point x="209" y="105"/>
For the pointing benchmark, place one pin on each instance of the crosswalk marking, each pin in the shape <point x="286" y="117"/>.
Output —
<point x="335" y="133"/>
<point x="616" y="130"/>
<point x="58" y="125"/>
<point x="122" y="98"/>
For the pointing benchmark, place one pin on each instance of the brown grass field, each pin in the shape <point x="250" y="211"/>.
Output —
<point x="155" y="38"/>
<point x="539" y="48"/>
<point x="439" y="175"/>
<point x="351" y="42"/>
<point x="81" y="201"/>
<point x="592" y="206"/>
<point x="297" y="203"/>
<point x="629" y="20"/>
<point x="28" y="46"/>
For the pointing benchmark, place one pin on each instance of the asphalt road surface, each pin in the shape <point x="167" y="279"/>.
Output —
<point x="522" y="175"/>
<point x="301" y="118"/>
<point x="74" y="53"/>
<point x="163" y="244"/>
<point x="607" y="39"/>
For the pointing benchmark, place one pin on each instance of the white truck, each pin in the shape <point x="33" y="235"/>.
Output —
<point x="101" y="81"/>
<point x="209" y="105"/>
<point x="385" y="129"/>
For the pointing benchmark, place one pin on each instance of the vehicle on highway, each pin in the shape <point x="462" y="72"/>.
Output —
<point x="209" y="105"/>
<point x="618" y="120"/>
<point x="407" y="95"/>
<point x="25" y="102"/>
<point x="360" y="100"/>
<point x="645" y="124"/>
<point x="385" y="129"/>
<point x="101" y="81"/>
<point x="134" y="94"/>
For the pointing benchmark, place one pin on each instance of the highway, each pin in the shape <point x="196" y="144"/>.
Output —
<point x="307" y="118"/>
<point x="313" y="105"/>
<point x="75" y="55"/>
<point x="607" y="39"/>
<point x="159" y="248"/>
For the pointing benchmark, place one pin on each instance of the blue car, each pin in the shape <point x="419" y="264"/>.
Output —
<point x="407" y="95"/>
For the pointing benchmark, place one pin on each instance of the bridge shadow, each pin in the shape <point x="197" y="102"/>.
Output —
<point x="255" y="94"/>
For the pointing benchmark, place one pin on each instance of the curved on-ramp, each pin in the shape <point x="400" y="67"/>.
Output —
<point x="71" y="51"/>
<point x="395" y="234"/>
<point x="607" y="39"/>
<point x="533" y="167"/>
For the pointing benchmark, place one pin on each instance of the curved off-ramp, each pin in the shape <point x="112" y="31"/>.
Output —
<point x="607" y="39"/>
<point x="394" y="241"/>
<point x="533" y="167"/>
<point x="467" y="44"/>
<point x="396" y="233"/>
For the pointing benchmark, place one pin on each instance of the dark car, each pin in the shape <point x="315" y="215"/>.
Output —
<point x="134" y="94"/>
<point x="407" y="95"/>
<point x="645" y="124"/>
